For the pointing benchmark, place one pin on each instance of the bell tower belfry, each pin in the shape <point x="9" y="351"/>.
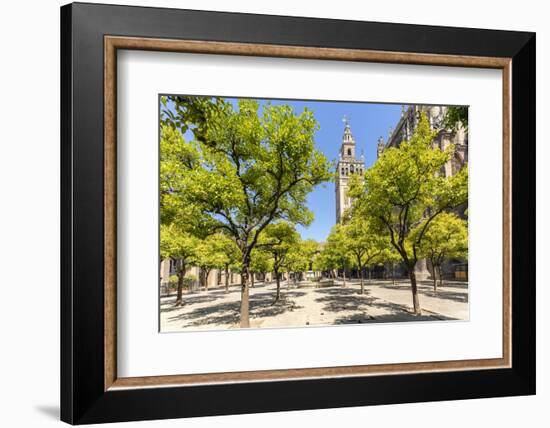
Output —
<point x="347" y="165"/>
<point x="348" y="143"/>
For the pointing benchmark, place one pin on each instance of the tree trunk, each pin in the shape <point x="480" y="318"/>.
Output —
<point x="370" y="274"/>
<point x="440" y="276"/>
<point x="393" y="272"/>
<point x="181" y="277"/>
<point x="245" y="316"/>
<point x="252" y="279"/>
<point x="206" y="273"/>
<point x="434" y="274"/>
<point x="278" y="281"/>
<point x="362" y="282"/>
<point x="414" y="289"/>
<point x="227" y="278"/>
<point x="201" y="278"/>
<point x="344" y="275"/>
<point x="160" y="277"/>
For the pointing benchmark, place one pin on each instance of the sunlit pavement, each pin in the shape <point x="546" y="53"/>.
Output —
<point x="382" y="301"/>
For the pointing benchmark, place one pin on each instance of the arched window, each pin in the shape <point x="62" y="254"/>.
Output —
<point x="349" y="152"/>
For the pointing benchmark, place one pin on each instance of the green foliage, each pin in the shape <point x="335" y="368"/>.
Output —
<point x="247" y="170"/>
<point x="229" y="252"/>
<point x="278" y="240"/>
<point x="182" y="113"/>
<point x="446" y="238"/>
<point x="177" y="245"/>
<point x="215" y="251"/>
<point x="365" y="244"/>
<point x="176" y="157"/>
<point x="335" y="253"/>
<point x="302" y="255"/>
<point x="188" y="281"/>
<point x="455" y="117"/>
<point x="404" y="191"/>
<point x="325" y="261"/>
<point x="261" y="261"/>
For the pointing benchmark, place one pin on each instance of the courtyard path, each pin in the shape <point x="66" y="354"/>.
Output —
<point x="302" y="306"/>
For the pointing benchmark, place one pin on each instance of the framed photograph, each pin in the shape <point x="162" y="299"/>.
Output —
<point x="266" y="213"/>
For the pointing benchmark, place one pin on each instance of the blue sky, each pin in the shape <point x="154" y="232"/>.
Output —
<point x="368" y="122"/>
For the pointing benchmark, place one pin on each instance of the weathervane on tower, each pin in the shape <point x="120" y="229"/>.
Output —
<point x="345" y="119"/>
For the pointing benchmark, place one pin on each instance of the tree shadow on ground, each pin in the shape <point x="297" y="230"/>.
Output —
<point x="362" y="307"/>
<point x="292" y="293"/>
<point x="448" y="295"/>
<point x="340" y="291"/>
<point x="387" y="318"/>
<point x="395" y="313"/>
<point x="455" y="284"/>
<point x="265" y="305"/>
<point x="339" y="303"/>
<point x="167" y="305"/>
<point x="261" y="305"/>
<point x="399" y="286"/>
<point x="427" y="289"/>
<point x="223" y="313"/>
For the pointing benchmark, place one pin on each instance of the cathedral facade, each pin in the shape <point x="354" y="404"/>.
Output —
<point x="436" y="114"/>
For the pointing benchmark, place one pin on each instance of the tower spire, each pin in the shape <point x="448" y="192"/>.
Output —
<point x="348" y="136"/>
<point x="380" y="146"/>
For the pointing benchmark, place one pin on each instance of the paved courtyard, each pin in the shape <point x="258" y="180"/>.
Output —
<point x="302" y="306"/>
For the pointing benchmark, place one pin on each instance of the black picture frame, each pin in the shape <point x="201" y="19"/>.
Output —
<point x="83" y="398"/>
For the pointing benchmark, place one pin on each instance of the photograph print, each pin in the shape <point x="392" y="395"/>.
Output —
<point x="278" y="213"/>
